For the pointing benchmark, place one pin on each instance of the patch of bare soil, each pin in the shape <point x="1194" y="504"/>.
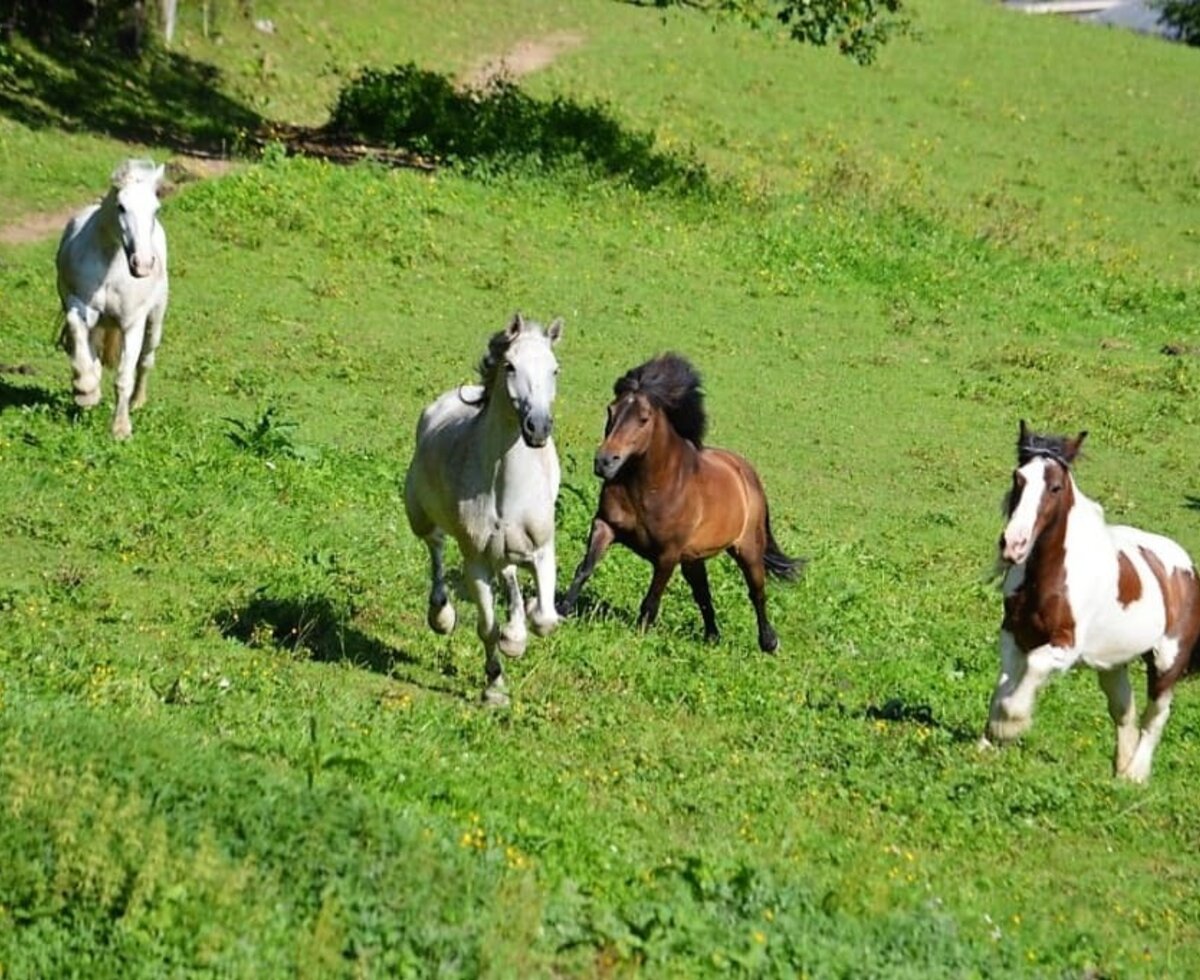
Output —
<point x="523" y="58"/>
<point x="38" y="225"/>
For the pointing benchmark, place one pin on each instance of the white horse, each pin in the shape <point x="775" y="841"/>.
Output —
<point x="1078" y="590"/>
<point x="112" y="282"/>
<point x="485" y="471"/>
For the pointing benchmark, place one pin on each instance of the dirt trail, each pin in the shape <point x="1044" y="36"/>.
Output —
<point x="523" y="58"/>
<point x="38" y="225"/>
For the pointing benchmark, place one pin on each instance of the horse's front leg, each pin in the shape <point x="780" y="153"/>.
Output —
<point x="599" y="541"/>
<point x="1022" y="675"/>
<point x="664" y="568"/>
<point x="1122" y="710"/>
<point x="441" y="616"/>
<point x="76" y="340"/>
<point x="479" y="577"/>
<point x="513" y="635"/>
<point x="145" y="363"/>
<point x="131" y="349"/>
<point x="542" y="613"/>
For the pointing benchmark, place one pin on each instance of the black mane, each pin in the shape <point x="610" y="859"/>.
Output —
<point x="1061" y="449"/>
<point x="673" y="385"/>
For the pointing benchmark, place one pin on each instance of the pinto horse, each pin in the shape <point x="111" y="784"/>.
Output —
<point x="485" y="471"/>
<point x="673" y="501"/>
<point x="1080" y="591"/>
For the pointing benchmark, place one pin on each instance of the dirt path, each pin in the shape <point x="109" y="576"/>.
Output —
<point x="523" y="58"/>
<point x="38" y="225"/>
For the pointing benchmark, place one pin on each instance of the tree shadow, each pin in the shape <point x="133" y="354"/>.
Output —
<point x="312" y="625"/>
<point x="73" y="83"/>
<point x="501" y="127"/>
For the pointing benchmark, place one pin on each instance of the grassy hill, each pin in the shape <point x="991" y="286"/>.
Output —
<point x="230" y="744"/>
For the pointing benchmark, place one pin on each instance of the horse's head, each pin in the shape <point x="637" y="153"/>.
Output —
<point x="628" y="432"/>
<point x="664" y="389"/>
<point x="521" y="358"/>
<point x="1042" y="490"/>
<point x="135" y="195"/>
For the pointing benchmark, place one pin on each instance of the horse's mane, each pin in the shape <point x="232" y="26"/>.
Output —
<point x="671" y="383"/>
<point x="133" y="172"/>
<point x="1061" y="449"/>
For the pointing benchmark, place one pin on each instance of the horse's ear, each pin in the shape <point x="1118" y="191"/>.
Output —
<point x="515" y="326"/>
<point x="159" y="171"/>
<point x="1024" y="431"/>
<point x="555" y="330"/>
<point x="1071" y="446"/>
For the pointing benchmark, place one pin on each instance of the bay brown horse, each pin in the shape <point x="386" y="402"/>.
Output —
<point x="675" y="502"/>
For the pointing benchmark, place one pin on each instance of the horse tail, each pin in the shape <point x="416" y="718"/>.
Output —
<point x="110" y="347"/>
<point x="779" y="564"/>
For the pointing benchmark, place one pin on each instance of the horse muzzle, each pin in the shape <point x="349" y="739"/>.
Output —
<point x="607" y="465"/>
<point x="536" y="430"/>
<point x="141" y="266"/>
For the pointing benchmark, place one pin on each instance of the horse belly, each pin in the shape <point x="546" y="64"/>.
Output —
<point x="1121" y="634"/>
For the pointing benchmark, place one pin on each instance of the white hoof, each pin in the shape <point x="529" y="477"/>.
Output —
<point x="121" y="429"/>
<point x="513" y="640"/>
<point x="88" y="399"/>
<point x="1002" y="727"/>
<point x="442" y="618"/>
<point x="985" y="745"/>
<point x="495" y="695"/>
<point x="543" y="624"/>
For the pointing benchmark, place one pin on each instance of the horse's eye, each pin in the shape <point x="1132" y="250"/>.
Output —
<point x="1056" y="488"/>
<point x="510" y="368"/>
<point x="120" y="208"/>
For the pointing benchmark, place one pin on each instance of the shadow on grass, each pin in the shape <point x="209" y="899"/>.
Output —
<point x="901" y="712"/>
<point x="312" y="625"/>
<point x="502" y="127"/>
<point x="1191" y="501"/>
<point x="28" y="396"/>
<point x="67" y="82"/>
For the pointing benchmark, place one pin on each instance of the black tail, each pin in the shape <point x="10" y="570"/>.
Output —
<point x="779" y="564"/>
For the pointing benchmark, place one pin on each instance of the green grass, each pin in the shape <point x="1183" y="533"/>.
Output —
<point x="231" y="746"/>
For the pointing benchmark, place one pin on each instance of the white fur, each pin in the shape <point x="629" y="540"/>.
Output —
<point x="112" y="283"/>
<point x="1108" y="636"/>
<point x="474" y="477"/>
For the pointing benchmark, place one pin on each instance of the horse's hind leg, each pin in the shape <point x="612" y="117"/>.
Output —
<point x="441" y="616"/>
<point x="1123" y="712"/>
<point x="479" y="576"/>
<point x="696" y="574"/>
<point x="1160" y="689"/>
<point x="513" y="635"/>
<point x="755" y="574"/>
<point x="145" y="364"/>
<point x="76" y="341"/>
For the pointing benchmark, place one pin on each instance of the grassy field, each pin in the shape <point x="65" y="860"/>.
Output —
<point x="231" y="747"/>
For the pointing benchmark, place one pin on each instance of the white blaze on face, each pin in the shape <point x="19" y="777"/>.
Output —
<point x="1019" y="532"/>
<point x="137" y="207"/>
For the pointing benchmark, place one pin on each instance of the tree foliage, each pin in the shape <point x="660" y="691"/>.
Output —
<point x="1184" y="17"/>
<point x="857" y="27"/>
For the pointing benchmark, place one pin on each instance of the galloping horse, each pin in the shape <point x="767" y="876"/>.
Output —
<point x="1078" y="590"/>
<point x="112" y="283"/>
<point x="675" y="502"/>
<point x="485" y="471"/>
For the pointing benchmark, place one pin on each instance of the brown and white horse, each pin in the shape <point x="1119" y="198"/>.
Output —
<point x="1080" y="591"/>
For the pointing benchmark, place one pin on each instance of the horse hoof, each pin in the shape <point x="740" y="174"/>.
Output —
<point x="87" y="399"/>
<point x="122" y="430"/>
<point x="442" y="619"/>
<point x="543" y="625"/>
<point x="1006" y="729"/>
<point x="768" y="643"/>
<point x="494" y="696"/>
<point x="512" y="646"/>
<point x="984" y="744"/>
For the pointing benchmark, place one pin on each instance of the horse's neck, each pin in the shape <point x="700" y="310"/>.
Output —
<point x="500" y="427"/>
<point x="106" y="229"/>
<point x="1079" y="537"/>
<point x="669" y="459"/>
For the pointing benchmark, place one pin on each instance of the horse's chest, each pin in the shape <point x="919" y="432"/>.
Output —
<point x="1037" y="613"/>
